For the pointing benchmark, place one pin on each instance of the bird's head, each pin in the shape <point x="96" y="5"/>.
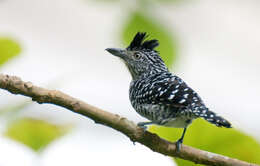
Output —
<point x="140" y="57"/>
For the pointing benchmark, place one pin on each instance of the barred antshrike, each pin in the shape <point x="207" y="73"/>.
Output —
<point x="159" y="95"/>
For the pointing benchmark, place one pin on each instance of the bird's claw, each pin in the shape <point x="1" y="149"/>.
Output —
<point x="178" y="145"/>
<point x="142" y="125"/>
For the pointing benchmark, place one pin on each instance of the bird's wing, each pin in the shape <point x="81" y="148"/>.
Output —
<point x="173" y="91"/>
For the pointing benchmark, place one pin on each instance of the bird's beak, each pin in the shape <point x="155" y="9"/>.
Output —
<point x="117" y="52"/>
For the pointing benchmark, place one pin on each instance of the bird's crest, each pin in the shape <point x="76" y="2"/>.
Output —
<point x="139" y="43"/>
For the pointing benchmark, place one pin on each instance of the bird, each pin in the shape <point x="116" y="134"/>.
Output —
<point x="159" y="95"/>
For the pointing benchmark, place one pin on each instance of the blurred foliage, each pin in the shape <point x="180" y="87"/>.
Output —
<point x="138" y="22"/>
<point x="167" y="1"/>
<point x="107" y="1"/>
<point x="36" y="134"/>
<point x="205" y="136"/>
<point x="8" y="49"/>
<point x="141" y="1"/>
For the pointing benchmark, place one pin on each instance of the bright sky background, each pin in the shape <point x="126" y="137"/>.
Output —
<point x="63" y="46"/>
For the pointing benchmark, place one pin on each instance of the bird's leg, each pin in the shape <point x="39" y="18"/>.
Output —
<point x="143" y="124"/>
<point x="180" y="141"/>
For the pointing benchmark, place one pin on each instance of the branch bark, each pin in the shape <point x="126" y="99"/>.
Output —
<point x="15" y="85"/>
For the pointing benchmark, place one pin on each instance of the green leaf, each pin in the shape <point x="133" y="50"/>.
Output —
<point x="34" y="133"/>
<point x="202" y="135"/>
<point x="8" y="49"/>
<point x="138" y="22"/>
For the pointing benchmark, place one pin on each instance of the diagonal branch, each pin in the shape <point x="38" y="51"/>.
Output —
<point x="15" y="85"/>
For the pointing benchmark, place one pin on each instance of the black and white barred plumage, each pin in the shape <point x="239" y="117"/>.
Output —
<point x="164" y="97"/>
<point x="159" y="95"/>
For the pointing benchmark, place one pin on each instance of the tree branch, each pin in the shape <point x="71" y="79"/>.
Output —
<point x="15" y="85"/>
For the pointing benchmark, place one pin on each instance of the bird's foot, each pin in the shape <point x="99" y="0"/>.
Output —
<point x="142" y="125"/>
<point x="178" y="145"/>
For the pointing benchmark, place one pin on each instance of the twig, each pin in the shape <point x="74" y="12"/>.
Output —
<point x="15" y="85"/>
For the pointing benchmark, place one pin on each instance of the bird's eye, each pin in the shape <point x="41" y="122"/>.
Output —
<point x="137" y="55"/>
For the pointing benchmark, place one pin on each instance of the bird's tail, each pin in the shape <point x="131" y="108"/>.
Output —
<point x="210" y="116"/>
